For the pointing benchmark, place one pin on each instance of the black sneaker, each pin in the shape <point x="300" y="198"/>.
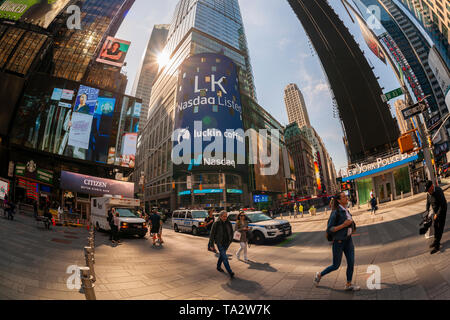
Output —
<point x="436" y="249"/>
<point x="220" y="270"/>
<point x="232" y="275"/>
<point x="432" y="245"/>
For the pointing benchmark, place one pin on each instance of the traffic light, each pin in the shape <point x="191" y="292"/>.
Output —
<point x="406" y="143"/>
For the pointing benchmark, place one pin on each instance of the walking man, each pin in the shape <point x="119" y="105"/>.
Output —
<point x="295" y="210"/>
<point x="436" y="199"/>
<point x="222" y="236"/>
<point x="300" y="209"/>
<point x="155" y="227"/>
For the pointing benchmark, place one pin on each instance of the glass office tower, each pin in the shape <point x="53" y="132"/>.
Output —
<point x="198" y="26"/>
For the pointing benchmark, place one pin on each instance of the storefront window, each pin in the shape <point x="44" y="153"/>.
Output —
<point x="365" y="186"/>
<point x="402" y="182"/>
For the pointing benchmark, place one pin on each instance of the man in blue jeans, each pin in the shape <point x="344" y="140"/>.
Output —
<point x="341" y="226"/>
<point x="222" y="236"/>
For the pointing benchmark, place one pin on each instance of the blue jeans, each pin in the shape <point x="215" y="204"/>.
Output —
<point x="223" y="258"/>
<point x="339" y="247"/>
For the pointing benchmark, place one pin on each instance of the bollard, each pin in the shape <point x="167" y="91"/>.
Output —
<point x="402" y="195"/>
<point x="87" y="285"/>
<point x="89" y="256"/>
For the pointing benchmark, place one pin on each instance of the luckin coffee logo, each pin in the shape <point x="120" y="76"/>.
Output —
<point x="94" y="183"/>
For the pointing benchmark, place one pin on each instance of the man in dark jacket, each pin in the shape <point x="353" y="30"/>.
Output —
<point x="436" y="199"/>
<point x="110" y="220"/>
<point x="222" y="236"/>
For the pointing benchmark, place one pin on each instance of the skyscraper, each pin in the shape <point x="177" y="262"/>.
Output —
<point x="146" y="75"/>
<point x="199" y="27"/>
<point x="368" y="125"/>
<point x="434" y="16"/>
<point x="415" y="48"/>
<point x="296" y="106"/>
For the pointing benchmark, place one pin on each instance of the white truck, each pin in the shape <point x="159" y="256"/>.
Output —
<point x="130" y="222"/>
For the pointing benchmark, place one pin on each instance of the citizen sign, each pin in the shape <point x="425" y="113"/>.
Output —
<point x="94" y="183"/>
<point x="380" y="163"/>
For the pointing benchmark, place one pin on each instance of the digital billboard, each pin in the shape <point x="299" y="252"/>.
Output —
<point x="208" y="116"/>
<point x="114" y="52"/>
<point x="4" y="189"/>
<point x="76" y="121"/>
<point x="38" y="12"/>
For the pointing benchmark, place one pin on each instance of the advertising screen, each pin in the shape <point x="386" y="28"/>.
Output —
<point x="4" y="189"/>
<point x="208" y="109"/>
<point x="38" y="12"/>
<point x="114" y="52"/>
<point x="76" y="121"/>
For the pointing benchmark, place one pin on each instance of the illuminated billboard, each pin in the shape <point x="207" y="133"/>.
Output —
<point x="114" y="52"/>
<point x="38" y="12"/>
<point x="208" y="116"/>
<point x="76" y="121"/>
<point x="4" y="189"/>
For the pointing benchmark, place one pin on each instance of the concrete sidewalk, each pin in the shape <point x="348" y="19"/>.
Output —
<point x="363" y="213"/>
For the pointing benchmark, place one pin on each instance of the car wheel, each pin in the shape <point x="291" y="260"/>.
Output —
<point x="258" y="237"/>
<point x="194" y="231"/>
<point x="175" y="228"/>
<point x="141" y="236"/>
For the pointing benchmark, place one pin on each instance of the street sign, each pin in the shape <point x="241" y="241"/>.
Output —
<point x="412" y="111"/>
<point x="392" y="94"/>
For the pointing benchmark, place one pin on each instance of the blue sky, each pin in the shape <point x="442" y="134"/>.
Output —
<point x="280" y="54"/>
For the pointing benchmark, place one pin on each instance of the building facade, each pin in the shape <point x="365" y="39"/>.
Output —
<point x="296" y="106"/>
<point x="302" y="154"/>
<point x="434" y="16"/>
<point x="66" y="111"/>
<point x="414" y="47"/>
<point x="142" y="87"/>
<point x="199" y="27"/>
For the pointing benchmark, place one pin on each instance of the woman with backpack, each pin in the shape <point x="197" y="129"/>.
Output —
<point x="339" y="230"/>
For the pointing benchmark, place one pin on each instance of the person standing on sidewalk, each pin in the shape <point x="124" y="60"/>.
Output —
<point x="116" y="228"/>
<point x="300" y="209"/>
<point x="295" y="210"/>
<point x="110" y="220"/>
<point x="436" y="199"/>
<point x="209" y="220"/>
<point x="222" y="236"/>
<point x="341" y="226"/>
<point x="155" y="227"/>
<point x="242" y="228"/>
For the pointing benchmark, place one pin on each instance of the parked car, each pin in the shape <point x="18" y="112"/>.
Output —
<point x="263" y="227"/>
<point x="189" y="221"/>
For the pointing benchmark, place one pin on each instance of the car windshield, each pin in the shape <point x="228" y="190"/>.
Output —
<point x="258" y="217"/>
<point x="199" y="214"/>
<point x="127" y="213"/>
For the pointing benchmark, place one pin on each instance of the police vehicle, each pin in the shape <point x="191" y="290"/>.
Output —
<point x="262" y="226"/>
<point x="192" y="221"/>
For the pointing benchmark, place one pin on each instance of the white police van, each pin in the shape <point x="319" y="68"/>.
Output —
<point x="262" y="226"/>
<point x="189" y="221"/>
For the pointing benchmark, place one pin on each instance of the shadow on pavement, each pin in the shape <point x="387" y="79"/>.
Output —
<point x="242" y="286"/>
<point x="261" y="266"/>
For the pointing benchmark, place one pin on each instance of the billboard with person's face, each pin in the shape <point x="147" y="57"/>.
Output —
<point x="38" y="12"/>
<point x="76" y="121"/>
<point x="114" y="52"/>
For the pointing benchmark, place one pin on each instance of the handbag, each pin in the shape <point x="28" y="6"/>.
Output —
<point x="237" y="236"/>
